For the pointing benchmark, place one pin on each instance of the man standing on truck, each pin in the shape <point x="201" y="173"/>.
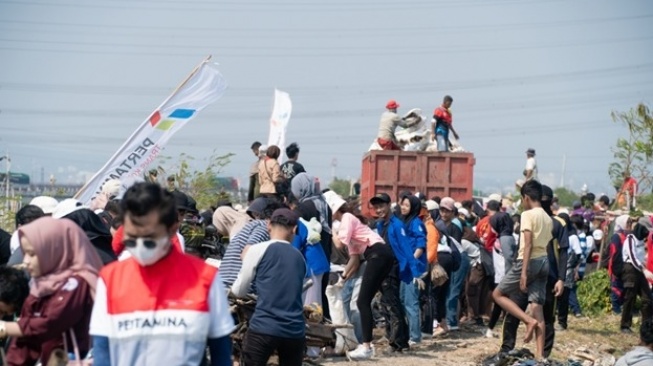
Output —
<point x="442" y="123"/>
<point x="389" y="122"/>
<point x="530" y="171"/>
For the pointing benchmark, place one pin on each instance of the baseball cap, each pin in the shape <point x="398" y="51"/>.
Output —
<point x="46" y="203"/>
<point x="598" y="234"/>
<point x="464" y="212"/>
<point x="431" y="205"/>
<point x="547" y="193"/>
<point x="380" y="198"/>
<point x="448" y="203"/>
<point x="530" y="151"/>
<point x="66" y="207"/>
<point x="284" y="216"/>
<point x="494" y="197"/>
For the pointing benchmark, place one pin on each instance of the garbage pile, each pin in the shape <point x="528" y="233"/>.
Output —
<point x="418" y="136"/>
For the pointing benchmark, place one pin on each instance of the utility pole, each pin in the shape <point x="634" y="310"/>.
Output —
<point x="7" y="167"/>
<point x="334" y="164"/>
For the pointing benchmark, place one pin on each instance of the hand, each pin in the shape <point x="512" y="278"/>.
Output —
<point x="456" y="136"/>
<point x="523" y="283"/>
<point x="558" y="288"/>
<point x="352" y="267"/>
<point x="648" y="275"/>
<point x="576" y="276"/>
<point x="420" y="284"/>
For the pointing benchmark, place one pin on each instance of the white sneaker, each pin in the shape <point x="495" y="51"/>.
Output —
<point x="454" y="327"/>
<point x="360" y="353"/>
<point x="489" y="333"/>
<point x="413" y="343"/>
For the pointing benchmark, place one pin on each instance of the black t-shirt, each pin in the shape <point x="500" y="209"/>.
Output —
<point x="290" y="169"/>
<point x="502" y="223"/>
<point x="5" y="247"/>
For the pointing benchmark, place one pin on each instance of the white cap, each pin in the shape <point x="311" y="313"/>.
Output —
<point x="563" y="211"/>
<point x="45" y="203"/>
<point x="494" y="197"/>
<point x="334" y="201"/>
<point x="598" y="234"/>
<point x="463" y="211"/>
<point x="431" y="205"/>
<point x="66" y="207"/>
<point x="111" y="187"/>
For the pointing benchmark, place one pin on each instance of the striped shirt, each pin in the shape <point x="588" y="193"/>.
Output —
<point x="253" y="232"/>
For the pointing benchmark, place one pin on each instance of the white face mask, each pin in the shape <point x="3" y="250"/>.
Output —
<point x="147" y="256"/>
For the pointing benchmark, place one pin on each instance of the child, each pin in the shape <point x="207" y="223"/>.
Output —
<point x="529" y="273"/>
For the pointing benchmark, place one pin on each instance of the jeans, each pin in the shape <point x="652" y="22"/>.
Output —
<point x="455" y="288"/>
<point x="409" y="294"/>
<point x="509" y="250"/>
<point x="443" y="144"/>
<point x="350" y="291"/>
<point x="382" y="273"/>
<point x="574" y="305"/>
<point x="616" y="294"/>
<point x="257" y="349"/>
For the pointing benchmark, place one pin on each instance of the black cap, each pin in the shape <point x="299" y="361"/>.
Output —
<point x="284" y="217"/>
<point x="494" y="205"/>
<point x="181" y="200"/>
<point x="530" y="151"/>
<point x="380" y="198"/>
<point x="547" y="193"/>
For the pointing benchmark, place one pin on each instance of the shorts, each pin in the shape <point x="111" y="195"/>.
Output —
<point x="536" y="277"/>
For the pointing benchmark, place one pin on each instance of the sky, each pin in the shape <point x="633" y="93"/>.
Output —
<point x="78" y="76"/>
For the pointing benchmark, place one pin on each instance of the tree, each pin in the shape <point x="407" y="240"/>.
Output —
<point x="565" y="196"/>
<point x="634" y="154"/>
<point x="203" y="184"/>
<point x="341" y="187"/>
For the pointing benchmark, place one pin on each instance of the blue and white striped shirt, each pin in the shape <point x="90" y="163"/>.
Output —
<point x="254" y="232"/>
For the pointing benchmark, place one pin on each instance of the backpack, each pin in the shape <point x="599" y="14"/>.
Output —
<point x="616" y="264"/>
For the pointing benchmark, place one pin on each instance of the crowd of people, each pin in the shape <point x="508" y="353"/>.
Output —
<point x="122" y="281"/>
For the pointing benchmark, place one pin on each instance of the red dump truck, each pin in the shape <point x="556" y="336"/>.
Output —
<point x="430" y="173"/>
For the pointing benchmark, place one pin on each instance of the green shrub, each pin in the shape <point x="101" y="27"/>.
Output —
<point x="594" y="293"/>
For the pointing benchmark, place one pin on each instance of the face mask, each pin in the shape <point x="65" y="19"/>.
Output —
<point x="148" y="251"/>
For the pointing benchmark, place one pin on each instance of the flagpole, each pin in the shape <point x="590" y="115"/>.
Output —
<point x="129" y="140"/>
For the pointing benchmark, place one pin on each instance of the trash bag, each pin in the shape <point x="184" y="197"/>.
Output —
<point x="345" y="337"/>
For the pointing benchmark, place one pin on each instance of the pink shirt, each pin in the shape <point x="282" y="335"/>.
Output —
<point x="356" y="235"/>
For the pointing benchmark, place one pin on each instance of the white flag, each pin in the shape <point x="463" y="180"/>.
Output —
<point x="279" y="120"/>
<point x="204" y="86"/>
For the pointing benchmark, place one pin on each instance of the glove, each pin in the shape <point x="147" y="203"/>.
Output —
<point x="420" y="283"/>
<point x="438" y="275"/>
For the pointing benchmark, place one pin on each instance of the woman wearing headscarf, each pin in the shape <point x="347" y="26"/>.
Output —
<point x="410" y="207"/>
<point x="621" y="230"/>
<point x="96" y="231"/>
<point x="305" y="189"/>
<point x="228" y="221"/>
<point x="635" y="275"/>
<point x="64" y="269"/>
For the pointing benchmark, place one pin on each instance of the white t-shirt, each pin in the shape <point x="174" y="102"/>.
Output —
<point x="532" y="165"/>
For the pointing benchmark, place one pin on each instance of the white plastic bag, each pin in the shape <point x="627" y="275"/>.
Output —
<point x="345" y="337"/>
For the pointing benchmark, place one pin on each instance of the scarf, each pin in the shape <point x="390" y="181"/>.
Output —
<point x="63" y="250"/>
<point x="305" y="188"/>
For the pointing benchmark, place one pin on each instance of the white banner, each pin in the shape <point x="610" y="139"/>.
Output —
<point x="204" y="86"/>
<point x="279" y="120"/>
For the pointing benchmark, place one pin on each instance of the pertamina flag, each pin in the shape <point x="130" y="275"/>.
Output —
<point x="204" y="86"/>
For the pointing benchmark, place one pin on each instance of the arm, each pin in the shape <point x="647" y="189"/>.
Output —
<point x="220" y="326"/>
<point x="454" y="131"/>
<point x="563" y="253"/>
<point x="398" y="121"/>
<point x="251" y="259"/>
<point x="433" y="238"/>
<point x="101" y="354"/>
<point x="276" y="172"/>
<point x="419" y="235"/>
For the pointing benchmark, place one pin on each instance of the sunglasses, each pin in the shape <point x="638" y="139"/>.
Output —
<point x="147" y="243"/>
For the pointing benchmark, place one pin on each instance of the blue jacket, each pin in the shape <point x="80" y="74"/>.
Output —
<point x="416" y="232"/>
<point x="409" y="267"/>
<point x="316" y="260"/>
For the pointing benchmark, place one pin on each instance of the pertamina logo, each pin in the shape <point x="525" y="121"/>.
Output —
<point x="168" y="122"/>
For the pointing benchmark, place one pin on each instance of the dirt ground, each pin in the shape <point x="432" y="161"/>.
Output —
<point x="467" y="347"/>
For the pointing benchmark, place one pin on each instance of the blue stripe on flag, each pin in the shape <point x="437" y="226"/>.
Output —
<point x="182" y="113"/>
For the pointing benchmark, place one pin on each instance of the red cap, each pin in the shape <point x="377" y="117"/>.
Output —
<point x="392" y="104"/>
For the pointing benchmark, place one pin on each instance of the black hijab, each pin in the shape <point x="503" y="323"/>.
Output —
<point x="96" y="231"/>
<point x="415" y="208"/>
